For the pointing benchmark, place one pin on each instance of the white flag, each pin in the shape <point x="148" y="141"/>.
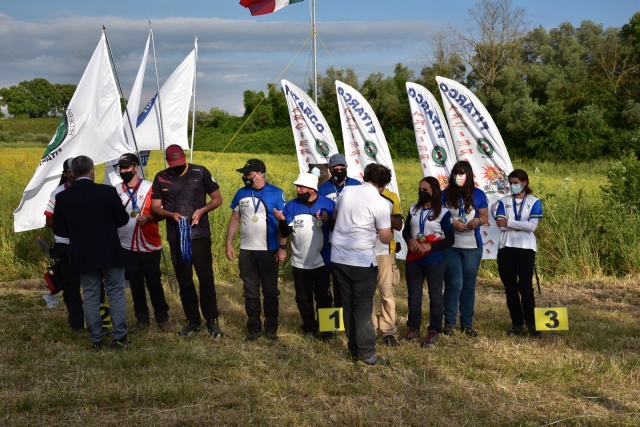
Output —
<point x="92" y="126"/>
<point x="111" y="172"/>
<point x="313" y="138"/>
<point x="477" y="140"/>
<point x="175" y="97"/>
<point x="364" y="141"/>
<point x="435" y="149"/>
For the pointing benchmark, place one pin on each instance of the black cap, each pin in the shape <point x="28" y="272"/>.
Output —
<point x="66" y="167"/>
<point x="127" y="160"/>
<point x="253" y="165"/>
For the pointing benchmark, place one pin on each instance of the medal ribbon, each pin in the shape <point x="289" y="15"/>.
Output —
<point x="424" y="218"/>
<point x="518" y="213"/>
<point x="185" y="239"/>
<point x="132" y="195"/>
<point x="253" y="200"/>
<point x="461" y="212"/>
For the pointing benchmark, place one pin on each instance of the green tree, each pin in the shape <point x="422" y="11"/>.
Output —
<point x="33" y="98"/>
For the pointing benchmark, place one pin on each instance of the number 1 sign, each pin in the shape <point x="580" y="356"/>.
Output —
<point x="330" y="319"/>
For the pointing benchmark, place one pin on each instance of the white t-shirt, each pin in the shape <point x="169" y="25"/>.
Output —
<point x="49" y="210"/>
<point x="361" y="212"/>
<point x="519" y="232"/>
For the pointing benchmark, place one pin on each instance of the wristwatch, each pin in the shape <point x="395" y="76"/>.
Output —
<point x="282" y="247"/>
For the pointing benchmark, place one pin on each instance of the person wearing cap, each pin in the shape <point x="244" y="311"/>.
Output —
<point x="307" y="219"/>
<point x="262" y="249"/>
<point x="140" y="239"/>
<point x="180" y="196"/>
<point x="60" y="252"/>
<point x="362" y="216"/>
<point x="332" y="189"/>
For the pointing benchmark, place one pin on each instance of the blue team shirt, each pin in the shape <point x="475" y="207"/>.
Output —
<point x="332" y="191"/>
<point x="479" y="202"/>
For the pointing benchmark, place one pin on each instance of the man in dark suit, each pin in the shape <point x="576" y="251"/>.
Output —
<point x="89" y="215"/>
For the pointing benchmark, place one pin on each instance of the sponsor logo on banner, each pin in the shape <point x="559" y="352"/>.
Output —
<point x="322" y="148"/>
<point x="485" y="147"/>
<point x="371" y="149"/>
<point x="439" y="155"/>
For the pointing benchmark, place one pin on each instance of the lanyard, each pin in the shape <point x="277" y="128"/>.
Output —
<point x="132" y="195"/>
<point x="461" y="211"/>
<point x="518" y="212"/>
<point x="256" y="206"/>
<point x="341" y="188"/>
<point x="424" y="218"/>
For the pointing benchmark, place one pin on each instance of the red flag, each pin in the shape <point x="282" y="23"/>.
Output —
<point x="263" y="7"/>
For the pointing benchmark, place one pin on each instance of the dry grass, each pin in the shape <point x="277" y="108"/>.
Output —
<point x="589" y="375"/>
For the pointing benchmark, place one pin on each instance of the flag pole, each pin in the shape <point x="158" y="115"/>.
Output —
<point x="193" y="114"/>
<point x="155" y="66"/>
<point x="315" y="62"/>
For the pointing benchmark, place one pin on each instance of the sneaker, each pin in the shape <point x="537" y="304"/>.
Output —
<point x="533" y="332"/>
<point x="97" y="346"/>
<point x="411" y="334"/>
<point x="378" y="361"/>
<point x="515" y="330"/>
<point x="165" y="326"/>
<point x="469" y="331"/>
<point x="252" y="336"/>
<point x="430" y="340"/>
<point x="139" y="327"/>
<point x="214" y="329"/>
<point x="189" y="329"/>
<point x="121" y="344"/>
<point x="271" y="336"/>
<point x="390" y="340"/>
<point x="449" y="330"/>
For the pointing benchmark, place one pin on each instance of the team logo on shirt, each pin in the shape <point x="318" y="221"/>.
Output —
<point x="322" y="148"/>
<point x="298" y="223"/>
<point x="439" y="155"/>
<point x="371" y="149"/>
<point x="485" y="147"/>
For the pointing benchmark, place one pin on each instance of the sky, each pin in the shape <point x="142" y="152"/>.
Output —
<point x="236" y="52"/>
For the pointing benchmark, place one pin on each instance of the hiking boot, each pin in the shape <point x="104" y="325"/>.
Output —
<point x="411" y="334"/>
<point x="166" y="326"/>
<point x="97" y="346"/>
<point x="430" y="340"/>
<point x="390" y="341"/>
<point x="533" y="332"/>
<point x="252" y="336"/>
<point x="449" y="330"/>
<point x="515" y="330"/>
<point x="189" y="329"/>
<point x="139" y="327"/>
<point x="214" y="329"/>
<point x="121" y="344"/>
<point x="469" y="331"/>
<point x="271" y="336"/>
<point x="377" y="361"/>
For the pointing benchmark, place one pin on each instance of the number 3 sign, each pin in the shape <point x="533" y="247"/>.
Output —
<point x="552" y="319"/>
<point x="330" y="319"/>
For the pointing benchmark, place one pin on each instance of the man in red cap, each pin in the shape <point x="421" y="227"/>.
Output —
<point x="179" y="196"/>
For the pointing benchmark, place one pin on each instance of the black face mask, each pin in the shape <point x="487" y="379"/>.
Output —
<point x="424" y="197"/>
<point x="304" y="197"/>
<point x="127" y="176"/>
<point x="178" y="169"/>
<point x="339" y="177"/>
<point x="248" y="182"/>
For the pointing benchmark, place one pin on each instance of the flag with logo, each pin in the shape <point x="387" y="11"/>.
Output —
<point x="364" y="140"/>
<point x="477" y="140"/>
<point x="433" y="140"/>
<point x="263" y="7"/>
<point x="91" y="126"/>
<point x="311" y="133"/>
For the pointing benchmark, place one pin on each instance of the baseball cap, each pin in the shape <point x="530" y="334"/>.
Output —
<point x="175" y="156"/>
<point x="253" y="165"/>
<point x="127" y="160"/>
<point x="308" y="180"/>
<point x="66" y="166"/>
<point x="337" y="159"/>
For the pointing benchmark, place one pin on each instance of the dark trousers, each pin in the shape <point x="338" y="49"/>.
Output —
<point x="515" y="266"/>
<point x="71" y="291"/>
<point x="202" y="261"/>
<point x="141" y="267"/>
<point x="337" y="298"/>
<point x="416" y="274"/>
<point x="310" y="283"/>
<point x="259" y="269"/>
<point x="357" y="286"/>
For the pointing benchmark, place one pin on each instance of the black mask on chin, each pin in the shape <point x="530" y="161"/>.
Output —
<point x="339" y="177"/>
<point x="127" y="176"/>
<point x="178" y="169"/>
<point x="424" y="197"/>
<point x="304" y="197"/>
<point x="248" y="182"/>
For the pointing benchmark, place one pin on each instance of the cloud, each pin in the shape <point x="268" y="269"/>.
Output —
<point x="234" y="55"/>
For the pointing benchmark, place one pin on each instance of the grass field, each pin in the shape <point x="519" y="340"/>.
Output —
<point x="587" y="376"/>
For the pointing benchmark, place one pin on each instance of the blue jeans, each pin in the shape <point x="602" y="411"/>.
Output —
<point x="114" y="287"/>
<point x="460" y="285"/>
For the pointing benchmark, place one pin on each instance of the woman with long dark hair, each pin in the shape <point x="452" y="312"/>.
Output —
<point x="469" y="210"/>
<point x="517" y="216"/>
<point x="428" y="232"/>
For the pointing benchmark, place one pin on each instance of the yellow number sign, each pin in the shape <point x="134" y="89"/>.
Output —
<point x="330" y="319"/>
<point x="552" y="319"/>
<point x="105" y="315"/>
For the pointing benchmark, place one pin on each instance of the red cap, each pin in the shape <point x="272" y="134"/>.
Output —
<point x="175" y="156"/>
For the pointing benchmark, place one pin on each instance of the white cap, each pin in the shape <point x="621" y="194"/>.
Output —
<point x="307" y="180"/>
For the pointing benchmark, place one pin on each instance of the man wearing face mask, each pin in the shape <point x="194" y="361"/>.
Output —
<point x="308" y="218"/>
<point x="141" y="242"/>
<point x="180" y="196"/>
<point x="262" y="249"/>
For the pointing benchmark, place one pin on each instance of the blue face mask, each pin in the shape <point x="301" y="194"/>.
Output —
<point x="516" y="188"/>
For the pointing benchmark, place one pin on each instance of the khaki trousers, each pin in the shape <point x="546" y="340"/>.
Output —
<point x="388" y="278"/>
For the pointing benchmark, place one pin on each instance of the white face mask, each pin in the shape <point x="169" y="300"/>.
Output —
<point x="460" y="180"/>
<point x="516" y="188"/>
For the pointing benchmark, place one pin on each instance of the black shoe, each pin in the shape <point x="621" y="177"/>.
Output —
<point x="533" y="332"/>
<point x="515" y="330"/>
<point x="97" y="346"/>
<point x="430" y="340"/>
<point x="470" y="331"/>
<point x="252" y="336"/>
<point x="411" y="334"/>
<point x="449" y="330"/>
<point x="214" y="329"/>
<point x="121" y="344"/>
<point x="390" y="341"/>
<point x="271" y="336"/>
<point x="189" y="329"/>
<point x="377" y="362"/>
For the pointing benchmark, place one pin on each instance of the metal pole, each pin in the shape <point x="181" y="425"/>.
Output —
<point x="155" y="66"/>
<point x="193" y="115"/>
<point x="315" y="62"/>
